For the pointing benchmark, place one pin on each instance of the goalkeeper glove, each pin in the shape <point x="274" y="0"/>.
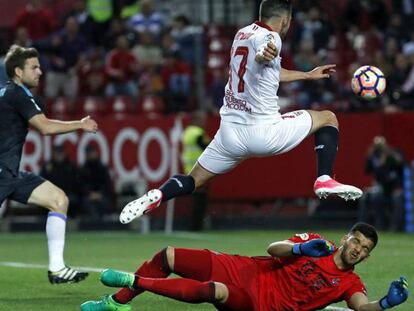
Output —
<point x="313" y="248"/>
<point x="397" y="294"/>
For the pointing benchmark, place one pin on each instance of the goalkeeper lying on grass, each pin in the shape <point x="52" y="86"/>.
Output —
<point x="303" y="273"/>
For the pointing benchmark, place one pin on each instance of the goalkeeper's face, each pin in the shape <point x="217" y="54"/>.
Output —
<point x="355" y="248"/>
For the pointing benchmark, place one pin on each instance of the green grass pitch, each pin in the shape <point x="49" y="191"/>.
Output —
<point x="28" y="288"/>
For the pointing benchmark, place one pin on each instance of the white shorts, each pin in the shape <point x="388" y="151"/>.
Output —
<point x="234" y="142"/>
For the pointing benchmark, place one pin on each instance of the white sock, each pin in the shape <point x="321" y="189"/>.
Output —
<point x="55" y="232"/>
<point x="324" y="178"/>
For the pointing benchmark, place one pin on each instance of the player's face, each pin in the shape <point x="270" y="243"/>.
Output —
<point x="31" y="72"/>
<point x="355" y="248"/>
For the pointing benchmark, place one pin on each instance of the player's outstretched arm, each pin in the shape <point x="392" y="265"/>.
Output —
<point x="397" y="294"/>
<point x="321" y="72"/>
<point x="312" y="248"/>
<point x="49" y="127"/>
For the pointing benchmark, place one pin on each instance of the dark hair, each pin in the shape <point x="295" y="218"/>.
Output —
<point x="16" y="57"/>
<point x="367" y="230"/>
<point x="274" y="8"/>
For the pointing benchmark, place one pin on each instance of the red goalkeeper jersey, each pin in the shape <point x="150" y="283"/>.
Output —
<point x="304" y="283"/>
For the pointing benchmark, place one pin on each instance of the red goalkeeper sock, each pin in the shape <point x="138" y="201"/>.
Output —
<point x="157" y="267"/>
<point x="181" y="289"/>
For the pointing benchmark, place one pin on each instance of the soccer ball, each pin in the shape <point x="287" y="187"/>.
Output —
<point x="368" y="82"/>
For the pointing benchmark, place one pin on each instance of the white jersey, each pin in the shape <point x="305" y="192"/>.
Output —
<point x="251" y="92"/>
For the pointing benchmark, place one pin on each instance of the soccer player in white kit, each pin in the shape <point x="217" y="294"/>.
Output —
<point x="251" y="125"/>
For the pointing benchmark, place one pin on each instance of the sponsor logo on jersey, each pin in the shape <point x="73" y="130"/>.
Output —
<point x="235" y="103"/>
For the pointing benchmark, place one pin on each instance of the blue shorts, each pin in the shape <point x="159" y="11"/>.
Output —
<point x="18" y="188"/>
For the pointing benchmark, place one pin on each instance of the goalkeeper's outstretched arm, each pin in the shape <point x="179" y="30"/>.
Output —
<point x="397" y="294"/>
<point x="312" y="248"/>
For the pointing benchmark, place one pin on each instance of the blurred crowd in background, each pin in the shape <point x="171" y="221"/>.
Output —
<point x="127" y="57"/>
<point x="107" y="56"/>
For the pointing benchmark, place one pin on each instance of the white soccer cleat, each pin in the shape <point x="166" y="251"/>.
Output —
<point x="148" y="202"/>
<point x="323" y="189"/>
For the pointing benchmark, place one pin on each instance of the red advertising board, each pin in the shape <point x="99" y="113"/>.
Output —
<point x="149" y="148"/>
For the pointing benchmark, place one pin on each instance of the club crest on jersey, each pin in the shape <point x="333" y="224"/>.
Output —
<point x="269" y="38"/>
<point x="302" y="236"/>
<point x="335" y="281"/>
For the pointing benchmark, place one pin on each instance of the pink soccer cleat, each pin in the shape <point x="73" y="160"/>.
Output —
<point x="323" y="189"/>
<point x="148" y="202"/>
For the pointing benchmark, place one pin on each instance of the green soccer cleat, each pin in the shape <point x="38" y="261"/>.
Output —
<point x="105" y="304"/>
<point x="115" y="278"/>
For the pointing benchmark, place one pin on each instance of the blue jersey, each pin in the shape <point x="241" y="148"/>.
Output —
<point x="17" y="107"/>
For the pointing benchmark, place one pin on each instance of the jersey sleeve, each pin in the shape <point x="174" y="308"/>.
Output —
<point x="356" y="287"/>
<point x="26" y="106"/>
<point x="261" y="41"/>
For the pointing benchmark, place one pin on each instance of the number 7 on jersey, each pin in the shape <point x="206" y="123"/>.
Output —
<point x="242" y="51"/>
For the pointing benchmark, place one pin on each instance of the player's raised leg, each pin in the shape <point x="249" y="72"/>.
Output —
<point x="54" y="199"/>
<point x="176" y="186"/>
<point x="325" y="128"/>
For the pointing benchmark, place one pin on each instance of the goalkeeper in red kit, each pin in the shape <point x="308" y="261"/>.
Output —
<point x="305" y="272"/>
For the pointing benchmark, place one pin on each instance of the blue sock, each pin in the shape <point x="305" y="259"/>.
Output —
<point x="176" y="186"/>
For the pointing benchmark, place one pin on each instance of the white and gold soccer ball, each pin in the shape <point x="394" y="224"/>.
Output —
<point x="368" y="82"/>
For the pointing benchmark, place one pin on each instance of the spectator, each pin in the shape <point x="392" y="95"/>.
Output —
<point x="61" y="171"/>
<point x="39" y="21"/>
<point x="148" y="19"/>
<point x="406" y="8"/>
<point x="67" y="47"/>
<point x="22" y="38"/>
<point x="185" y="35"/>
<point x="148" y="53"/>
<point x="168" y="44"/>
<point x="97" y="192"/>
<point x="314" y="30"/>
<point x="177" y="78"/>
<point x="396" y="78"/>
<point x="408" y="85"/>
<point x="127" y="8"/>
<point x="384" y="202"/>
<point x="116" y="29"/>
<point x="100" y="13"/>
<point x="122" y="68"/>
<point x="80" y="12"/>
<point x="150" y="81"/>
<point x="93" y="75"/>
<point x="366" y="14"/>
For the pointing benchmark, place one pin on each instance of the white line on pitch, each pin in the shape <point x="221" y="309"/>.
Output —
<point x="38" y="266"/>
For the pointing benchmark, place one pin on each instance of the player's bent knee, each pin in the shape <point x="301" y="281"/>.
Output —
<point x="59" y="203"/>
<point x="170" y="252"/>
<point x="221" y="292"/>
<point x="330" y="118"/>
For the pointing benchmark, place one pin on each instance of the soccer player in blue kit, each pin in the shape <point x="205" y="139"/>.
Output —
<point x="19" y="109"/>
